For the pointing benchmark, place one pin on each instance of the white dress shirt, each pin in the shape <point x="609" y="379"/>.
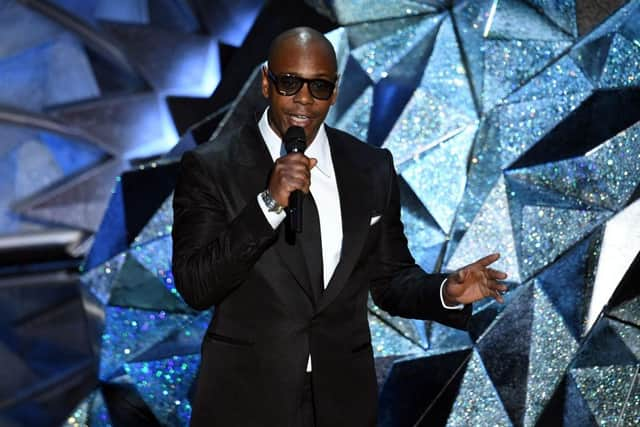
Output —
<point x="324" y="189"/>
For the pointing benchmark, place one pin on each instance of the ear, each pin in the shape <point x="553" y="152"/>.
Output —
<point x="265" y="82"/>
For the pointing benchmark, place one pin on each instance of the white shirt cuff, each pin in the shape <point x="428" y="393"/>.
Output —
<point x="448" y="307"/>
<point x="275" y="219"/>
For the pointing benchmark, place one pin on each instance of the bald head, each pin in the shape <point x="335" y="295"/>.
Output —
<point x="302" y="39"/>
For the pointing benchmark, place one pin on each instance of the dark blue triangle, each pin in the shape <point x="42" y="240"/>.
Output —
<point x="576" y="409"/>
<point x="565" y="283"/>
<point x="603" y="347"/>
<point x="355" y="81"/>
<point x="111" y="238"/>
<point x="413" y="385"/>
<point x="505" y="353"/>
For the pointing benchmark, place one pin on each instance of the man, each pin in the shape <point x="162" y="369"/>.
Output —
<point x="289" y="342"/>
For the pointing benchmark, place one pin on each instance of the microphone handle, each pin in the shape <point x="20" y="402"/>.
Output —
<point x="295" y="211"/>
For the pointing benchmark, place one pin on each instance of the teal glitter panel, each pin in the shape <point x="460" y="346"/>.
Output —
<point x="622" y="68"/>
<point x="164" y="385"/>
<point x="100" y="279"/>
<point x="129" y="332"/>
<point x="159" y="225"/>
<point x="155" y="256"/>
<point x="606" y="390"/>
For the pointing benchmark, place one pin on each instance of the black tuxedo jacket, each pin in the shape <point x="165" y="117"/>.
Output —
<point x="267" y="319"/>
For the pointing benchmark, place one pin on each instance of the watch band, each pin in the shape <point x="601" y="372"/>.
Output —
<point x="271" y="203"/>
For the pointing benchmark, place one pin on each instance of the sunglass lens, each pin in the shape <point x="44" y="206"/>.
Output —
<point x="289" y="85"/>
<point x="321" y="89"/>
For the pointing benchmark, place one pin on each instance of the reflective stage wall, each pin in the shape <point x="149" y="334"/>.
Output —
<point x="514" y="125"/>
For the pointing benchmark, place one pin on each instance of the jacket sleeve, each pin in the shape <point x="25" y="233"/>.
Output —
<point x="212" y="254"/>
<point x="400" y="286"/>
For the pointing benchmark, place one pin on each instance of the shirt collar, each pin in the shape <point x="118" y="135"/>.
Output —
<point x="318" y="149"/>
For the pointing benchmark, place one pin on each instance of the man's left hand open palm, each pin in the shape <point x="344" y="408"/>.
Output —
<point x="475" y="282"/>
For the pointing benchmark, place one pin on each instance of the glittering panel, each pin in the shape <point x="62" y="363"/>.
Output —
<point x="552" y="349"/>
<point x="510" y="130"/>
<point x="631" y="414"/>
<point x="443" y="339"/>
<point x="379" y="56"/>
<point x="99" y="280"/>
<point x="129" y="332"/>
<point x="563" y="81"/>
<point x="164" y="385"/>
<point x="425" y="237"/>
<point x="605" y="389"/>
<point x="490" y="232"/>
<point x="356" y="119"/>
<point x="99" y="415"/>
<point x="630" y="335"/>
<point x="629" y="311"/>
<point x="440" y="108"/>
<point x="477" y="403"/>
<point x="471" y="17"/>
<point x="366" y="32"/>
<point x="604" y="178"/>
<point x="155" y="256"/>
<point x="560" y="12"/>
<point x="509" y="63"/>
<point x="514" y="19"/>
<point x="389" y="342"/>
<point x="410" y="329"/>
<point x="425" y="122"/>
<point x="159" y="225"/>
<point x="79" y="417"/>
<point x="352" y="11"/>
<point x="137" y="287"/>
<point x="445" y="76"/>
<point x="439" y="175"/>
<point x="622" y="68"/>
<point x="549" y="231"/>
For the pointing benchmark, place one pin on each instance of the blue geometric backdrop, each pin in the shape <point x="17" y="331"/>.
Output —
<point x="511" y="130"/>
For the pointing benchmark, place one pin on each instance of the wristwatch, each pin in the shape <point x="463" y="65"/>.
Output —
<point x="271" y="203"/>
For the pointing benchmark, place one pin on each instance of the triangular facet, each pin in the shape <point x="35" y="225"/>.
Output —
<point x="478" y="402"/>
<point x="552" y="348"/>
<point x="164" y="385"/>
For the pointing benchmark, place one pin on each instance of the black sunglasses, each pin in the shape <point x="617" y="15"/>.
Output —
<point x="289" y="85"/>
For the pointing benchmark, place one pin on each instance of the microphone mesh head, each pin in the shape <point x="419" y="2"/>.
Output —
<point x="295" y="140"/>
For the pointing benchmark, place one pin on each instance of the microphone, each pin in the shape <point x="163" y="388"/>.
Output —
<point x="295" y="141"/>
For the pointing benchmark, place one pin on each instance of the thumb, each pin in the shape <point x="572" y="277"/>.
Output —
<point x="312" y="163"/>
<point x="458" y="276"/>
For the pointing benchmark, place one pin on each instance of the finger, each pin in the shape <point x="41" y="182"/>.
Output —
<point x="496" y="274"/>
<point x="489" y="259"/>
<point x="495" y="286"/>
<point x="498" y="297"/>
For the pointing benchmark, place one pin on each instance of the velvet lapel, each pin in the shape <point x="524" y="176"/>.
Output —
<point x="353" y="192"/>
<point x="251" y="154"/>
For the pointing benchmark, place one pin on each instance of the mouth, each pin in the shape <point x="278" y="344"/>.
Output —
<point x="301" y="120"/>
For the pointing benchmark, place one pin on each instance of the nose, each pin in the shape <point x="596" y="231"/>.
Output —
<point x="304" y="95"/>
